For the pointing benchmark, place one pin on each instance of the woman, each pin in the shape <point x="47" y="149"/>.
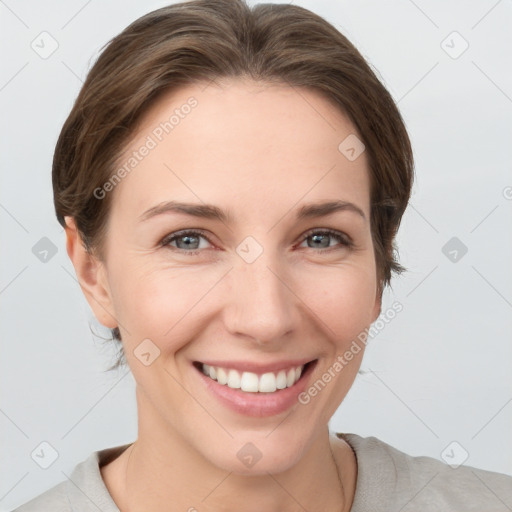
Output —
<point x="231" y="182"/>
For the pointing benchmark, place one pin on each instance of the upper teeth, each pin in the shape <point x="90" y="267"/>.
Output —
<point x="252" y="382"/>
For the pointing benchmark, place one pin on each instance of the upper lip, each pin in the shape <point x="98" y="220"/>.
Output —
<point x="259" y="368"/>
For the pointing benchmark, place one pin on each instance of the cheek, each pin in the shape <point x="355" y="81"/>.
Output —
<point x="343" y="298"/>
<point x="157" y="302"/>
<point x="160" y="303"/>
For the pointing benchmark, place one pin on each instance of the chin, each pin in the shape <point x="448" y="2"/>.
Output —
<point x="274" y="453"/>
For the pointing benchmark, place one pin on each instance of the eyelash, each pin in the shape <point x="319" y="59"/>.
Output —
<point x="344" y="240"/>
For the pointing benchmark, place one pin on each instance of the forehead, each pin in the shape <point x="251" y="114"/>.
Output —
<point x="253" y="147"/>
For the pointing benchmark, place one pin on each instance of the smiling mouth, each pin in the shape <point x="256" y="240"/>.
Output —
<point x="250" y="382"/>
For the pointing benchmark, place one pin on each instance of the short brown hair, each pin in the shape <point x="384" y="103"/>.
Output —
<point x="198" y="41"/>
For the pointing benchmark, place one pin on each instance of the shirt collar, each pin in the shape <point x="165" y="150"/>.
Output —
<point x="86" y="489"/>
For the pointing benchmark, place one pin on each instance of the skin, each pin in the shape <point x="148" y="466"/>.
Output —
<point x="260" y="151"/>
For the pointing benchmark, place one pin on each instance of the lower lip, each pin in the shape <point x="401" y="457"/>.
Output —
<point x="258" y="405"/>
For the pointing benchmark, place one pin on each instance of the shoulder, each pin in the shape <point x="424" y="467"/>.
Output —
<point x="54" y="499"/>
<point x="84" y="489"/>
<point x="408" y="483"/>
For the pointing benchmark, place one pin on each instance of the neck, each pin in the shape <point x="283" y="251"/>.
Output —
<point x="161" y="472"/>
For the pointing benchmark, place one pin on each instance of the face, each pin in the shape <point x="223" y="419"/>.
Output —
<point x="257" y="288"/>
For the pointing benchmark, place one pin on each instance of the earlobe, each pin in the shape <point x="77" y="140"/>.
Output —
<point x="91" y="276"/>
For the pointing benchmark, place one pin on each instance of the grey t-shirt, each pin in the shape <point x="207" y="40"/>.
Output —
<point x="388" y="480"/>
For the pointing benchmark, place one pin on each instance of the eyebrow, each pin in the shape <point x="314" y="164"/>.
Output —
<point x="208" y="211"/>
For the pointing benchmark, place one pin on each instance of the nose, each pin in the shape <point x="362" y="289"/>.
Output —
<point x="261" y="307"/>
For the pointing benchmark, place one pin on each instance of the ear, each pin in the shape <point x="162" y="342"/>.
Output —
<point x="91" y="275"/>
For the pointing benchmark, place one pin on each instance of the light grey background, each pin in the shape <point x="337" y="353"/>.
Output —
<point x="439" y="372"/>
